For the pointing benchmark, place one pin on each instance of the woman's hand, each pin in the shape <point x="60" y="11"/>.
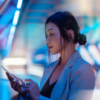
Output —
<point x="16" y="83"/>
<point x="32" y="89"/>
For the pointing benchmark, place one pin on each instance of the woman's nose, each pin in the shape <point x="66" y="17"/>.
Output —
<point x="47" y="41"/>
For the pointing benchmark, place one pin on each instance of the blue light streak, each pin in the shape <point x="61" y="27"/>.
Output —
<point x="87" y="29"/>
<point x="95" y="36"/>
<point x="13" y="28"/>
<point x="16" y="17"/>
<point x="19" y="4"/>
<point x="10" y="40"/>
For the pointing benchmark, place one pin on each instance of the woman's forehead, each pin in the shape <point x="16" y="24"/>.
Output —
<point x="51" y="26"/>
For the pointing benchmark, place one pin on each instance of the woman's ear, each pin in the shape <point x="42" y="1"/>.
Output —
<point x="71" y="34"/>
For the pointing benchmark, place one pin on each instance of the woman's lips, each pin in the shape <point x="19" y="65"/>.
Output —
<point x="50" y="47"/>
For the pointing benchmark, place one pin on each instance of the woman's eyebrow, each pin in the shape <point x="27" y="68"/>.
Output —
<point x="50" y="29"/>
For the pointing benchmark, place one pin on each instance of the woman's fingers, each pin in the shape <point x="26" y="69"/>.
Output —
<point x="19" y="80"/>
<point x="29" y="80"/>
<point x="28" y="89"/>
<point x="28" y="85"/>
<point x="15" y="77"/>
<point x="18" y="87"/>
<point x="14" y="85"/>
<point x="10" y="77"/>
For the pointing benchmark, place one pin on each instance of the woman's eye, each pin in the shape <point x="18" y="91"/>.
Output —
<point x="51" y="34"/>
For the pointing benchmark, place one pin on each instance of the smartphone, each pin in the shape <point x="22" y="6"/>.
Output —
<point x="5" y="70"/>
<point x="8" y="72"/>
<point x="11" y="75"/>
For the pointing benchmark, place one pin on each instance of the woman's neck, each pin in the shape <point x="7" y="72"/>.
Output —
<point x="65" y="55"/>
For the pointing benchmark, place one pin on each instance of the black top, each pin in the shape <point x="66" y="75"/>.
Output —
<point x="47" y="89"/>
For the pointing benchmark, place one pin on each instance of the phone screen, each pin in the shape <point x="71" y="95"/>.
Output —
<point x="7" y="71"/>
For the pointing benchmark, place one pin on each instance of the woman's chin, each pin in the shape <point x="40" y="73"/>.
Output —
<point x="53" y="53"/>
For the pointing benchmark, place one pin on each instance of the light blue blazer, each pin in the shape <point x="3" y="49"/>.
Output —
<point x="76" y="81"/>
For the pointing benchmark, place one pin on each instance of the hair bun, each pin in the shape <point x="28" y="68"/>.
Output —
<point x="81" y="39"/>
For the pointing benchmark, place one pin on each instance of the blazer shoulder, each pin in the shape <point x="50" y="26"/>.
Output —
<point x="80" y="65"/>
<point x="83" y="72"/>
<point x="80" y="62"/>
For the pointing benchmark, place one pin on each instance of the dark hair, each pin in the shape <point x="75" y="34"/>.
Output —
<point x="66" y="21"/>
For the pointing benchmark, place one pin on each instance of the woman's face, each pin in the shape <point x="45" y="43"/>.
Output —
<point x="53" y="38"/>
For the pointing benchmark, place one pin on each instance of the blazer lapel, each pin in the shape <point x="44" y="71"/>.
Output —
<point x="59" y="86"/>
<point x="47" y="73"/>
<point x="64" y="77"/>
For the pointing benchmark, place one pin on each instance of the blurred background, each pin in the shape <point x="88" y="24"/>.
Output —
<point x="23" y="51"/>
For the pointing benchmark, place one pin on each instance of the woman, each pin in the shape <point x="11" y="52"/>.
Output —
<point x="69" y="78"/>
